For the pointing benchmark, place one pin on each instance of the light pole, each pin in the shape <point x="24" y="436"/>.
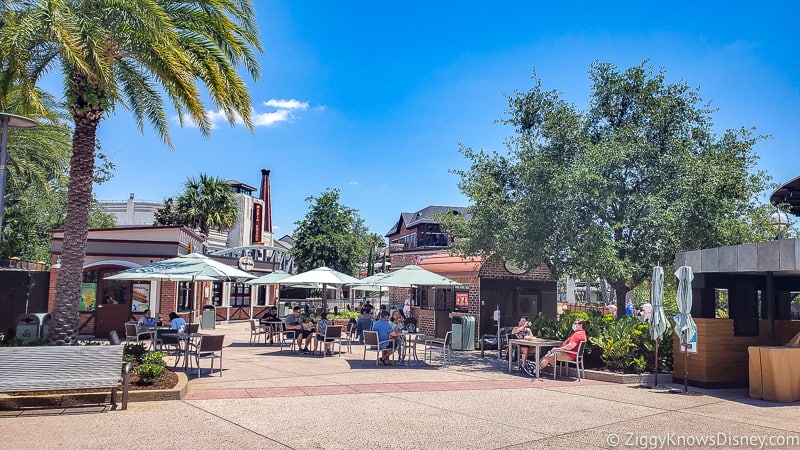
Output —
<point x="780" y="220"/>
<point x="8" y="121"/>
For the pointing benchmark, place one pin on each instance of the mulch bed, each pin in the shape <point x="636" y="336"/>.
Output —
<point x="168" y="381"/>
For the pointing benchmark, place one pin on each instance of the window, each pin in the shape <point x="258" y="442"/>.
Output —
<point x="185" y="296"/>
<point x="240" y="294"/>
<point x="216" y="293"/>
<point x="262" y="295"/>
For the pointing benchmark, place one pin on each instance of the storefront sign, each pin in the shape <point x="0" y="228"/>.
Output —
<point x="88" y="297"/>
<point x="258" y="222"/>
<point x="141" y="297"/>
<point x="462" y="300"/>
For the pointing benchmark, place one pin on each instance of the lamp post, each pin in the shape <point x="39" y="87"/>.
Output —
<point x="8" y="121"/>
<point x="780" y="220"/>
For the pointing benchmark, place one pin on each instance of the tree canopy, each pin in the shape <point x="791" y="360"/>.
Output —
<point x="614" y="190"/>
<point x="331" y="235"/>
<point x="207" y="202"/>
<point x="130" y="53"/>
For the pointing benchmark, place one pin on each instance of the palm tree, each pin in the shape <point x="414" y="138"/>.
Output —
<point x="129" y="53"/>
<point x="207" y="202"/>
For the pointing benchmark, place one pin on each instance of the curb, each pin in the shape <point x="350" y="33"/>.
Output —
<point x="622" y="378"/>
<point x="9" y="402"/>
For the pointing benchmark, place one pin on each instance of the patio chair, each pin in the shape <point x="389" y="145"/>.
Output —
<point x="256" y="331"/>
<point x="371" y="340"/>
<point x="332" y="334"/>
<point x="132" y="334"/>
<point x="443" y="346"/>
<point x="285" y="335"/>
<point x="170" y="344"/>
<point x="566" y="362"/>
<point x="209" y="347"/>
<point x="191" y="328"/>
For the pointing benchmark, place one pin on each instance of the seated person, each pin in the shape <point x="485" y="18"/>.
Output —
<point x="270" y="315"/>
<point x="570" y="345"/>
<point x="399" y="325"/>
<point x="323" y="325"/>
<point x="175" y="322"/>
<point x="364" y="323"/>
<point x="294" y="323"/>
<point x="147" y="320"/>
<point x="385" y="329"/>
<point x="522" y="331"/>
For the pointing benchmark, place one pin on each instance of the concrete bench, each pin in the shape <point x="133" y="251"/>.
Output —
<point x="53" y="368"/>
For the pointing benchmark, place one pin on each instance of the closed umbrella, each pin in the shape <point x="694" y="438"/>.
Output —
<point x="658" y="321"/>
<point x="684" y="325"/>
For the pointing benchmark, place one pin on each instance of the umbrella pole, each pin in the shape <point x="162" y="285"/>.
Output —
<point x="655" y="383"/>
<point x="685" y="368"/>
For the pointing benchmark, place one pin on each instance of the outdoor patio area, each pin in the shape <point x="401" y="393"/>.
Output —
<point x="272" y="399"/>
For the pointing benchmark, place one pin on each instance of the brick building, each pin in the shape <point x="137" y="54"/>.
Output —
<point x="416" y="238"/>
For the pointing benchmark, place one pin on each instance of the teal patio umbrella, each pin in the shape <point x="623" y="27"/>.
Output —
<point x="658" y="322"/>
<point x="685" y="327"/>
<point x="413" y="276"/>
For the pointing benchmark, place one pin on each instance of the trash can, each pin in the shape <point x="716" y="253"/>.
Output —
<point x="457" y="331"/>
<point x="468" y="333"/>
<point x="208" y="319"/>
<point x="28" y="327"/>
<point x="44" y="324"/>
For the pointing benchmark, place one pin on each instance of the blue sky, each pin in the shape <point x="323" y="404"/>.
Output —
<point x="374" y="98"/>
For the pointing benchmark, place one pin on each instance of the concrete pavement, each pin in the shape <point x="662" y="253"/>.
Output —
<point x="272" y="399"/>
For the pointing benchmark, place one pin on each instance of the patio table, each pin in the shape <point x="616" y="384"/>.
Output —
<point x="536" y="343"/>
<point x="409" y="343"/>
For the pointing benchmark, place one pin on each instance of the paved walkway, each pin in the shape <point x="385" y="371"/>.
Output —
<point x="272" y="399"/>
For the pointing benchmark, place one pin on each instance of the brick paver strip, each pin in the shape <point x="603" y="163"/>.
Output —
<point x="378" y="388"/>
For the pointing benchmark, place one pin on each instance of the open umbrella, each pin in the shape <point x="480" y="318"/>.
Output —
<point x="684" y="325"/>
<point x="414" y="276"/>
<point x="270" y="278"/>
<point x="191" y="267"/>
<point x="658" y="321"/>
<point x="322" y="275"/>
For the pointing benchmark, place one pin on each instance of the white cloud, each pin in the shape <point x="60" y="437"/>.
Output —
<point x="286" y="104"/>
<point x="354" y="183"/>
<point x="271" y="118"/>
<point x="285" y="113"/>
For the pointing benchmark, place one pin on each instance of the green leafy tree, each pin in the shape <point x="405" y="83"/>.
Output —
<point x="614" y="190"/>
<point x="167" y="215"/>
<point x="207" y="202"/>
<point x="38" y="165"/>
<point x="330" y="235"/>
<point x="129" y="53"/>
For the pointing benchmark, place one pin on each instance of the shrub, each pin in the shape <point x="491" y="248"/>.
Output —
<point x="149" y="373"/>
<point x="134" y="353"/>
<point x="622" y="344"/>
<point x="344" y="315"/>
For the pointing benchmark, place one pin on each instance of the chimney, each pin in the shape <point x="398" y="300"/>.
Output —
<point x="266" y="196"/>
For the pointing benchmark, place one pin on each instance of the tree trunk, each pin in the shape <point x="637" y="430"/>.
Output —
<point x="64" y="323"/>
<point x="620" y="289"/>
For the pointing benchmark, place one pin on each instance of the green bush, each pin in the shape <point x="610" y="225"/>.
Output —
<point x="155" y="358"/>
<point x="134" y="353"/>
<point x="149" y="373"/>
<point x="344" y="315"/>
<point x="622" y="344"/>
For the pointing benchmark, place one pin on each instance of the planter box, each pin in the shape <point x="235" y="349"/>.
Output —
<point x="623" y="378"/>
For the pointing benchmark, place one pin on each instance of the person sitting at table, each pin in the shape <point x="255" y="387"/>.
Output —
<point x="364" y="323"/>
<point x="147" y="320"/>
<point x="385" y="330"/>
<point x="570" y="345"/>
<point x="323" y="325"/>
<point x="294" y="322"/>
<point x="270" y="315"/>
<point x="399" y="325"/>
<point x="176" y="322"/>
<point x="523" y="331"/>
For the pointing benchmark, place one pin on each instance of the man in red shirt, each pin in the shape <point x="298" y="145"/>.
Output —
<point x="570" y="345"/>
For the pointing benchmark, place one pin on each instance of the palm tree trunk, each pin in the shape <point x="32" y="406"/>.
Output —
<point x="64" y="323"/>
